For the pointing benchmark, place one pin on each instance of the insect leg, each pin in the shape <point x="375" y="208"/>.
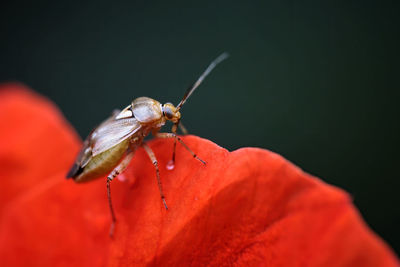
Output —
<point x="174" y="128"/>
<point x="117" y="170"/>
<point x="173" y="135"/>
<point x="183" y="129"/>
<point x="153" y="159"/>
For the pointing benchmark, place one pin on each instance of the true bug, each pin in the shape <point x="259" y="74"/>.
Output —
<point x="120" y="135"/>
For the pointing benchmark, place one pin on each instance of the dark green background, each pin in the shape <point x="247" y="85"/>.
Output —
<point x="315" y="81"/>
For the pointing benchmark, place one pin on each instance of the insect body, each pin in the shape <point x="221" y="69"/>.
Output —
<point x="119" y="136"/>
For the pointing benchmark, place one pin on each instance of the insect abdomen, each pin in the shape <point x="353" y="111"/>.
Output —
<point x="103" y="163"/>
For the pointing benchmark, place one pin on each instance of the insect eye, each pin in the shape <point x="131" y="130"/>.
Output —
<point x="168" y="113"/>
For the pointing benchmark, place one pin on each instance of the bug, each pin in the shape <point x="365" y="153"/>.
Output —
<point x="110" y="146"/>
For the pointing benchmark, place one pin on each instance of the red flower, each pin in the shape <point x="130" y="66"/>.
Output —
<point x="244" y="208"/>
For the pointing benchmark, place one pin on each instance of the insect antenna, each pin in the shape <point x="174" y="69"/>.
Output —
<point x="191" y="89"/>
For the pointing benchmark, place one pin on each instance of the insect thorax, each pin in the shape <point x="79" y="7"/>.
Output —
<point x="146" y="110"/>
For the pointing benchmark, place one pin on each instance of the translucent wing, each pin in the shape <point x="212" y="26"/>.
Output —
<point x="83" y="158"/>
<point x="112" y="132"/>
<point x="109" y="133"/>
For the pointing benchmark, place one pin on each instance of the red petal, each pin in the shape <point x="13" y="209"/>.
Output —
<point x="248" y="207"/>
<point x="35" y="140"/>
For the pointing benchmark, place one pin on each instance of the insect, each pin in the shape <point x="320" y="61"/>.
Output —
<point x="110" y="147"/>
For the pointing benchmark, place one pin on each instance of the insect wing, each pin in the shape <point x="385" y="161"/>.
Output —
<point x="82" y="159"/>
<point x="111" y="133"/>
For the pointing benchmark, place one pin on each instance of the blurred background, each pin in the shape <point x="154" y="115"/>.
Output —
<point x="315" y="81"/>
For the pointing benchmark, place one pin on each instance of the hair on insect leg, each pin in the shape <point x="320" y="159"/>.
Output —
<point x="153" y="159"/>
